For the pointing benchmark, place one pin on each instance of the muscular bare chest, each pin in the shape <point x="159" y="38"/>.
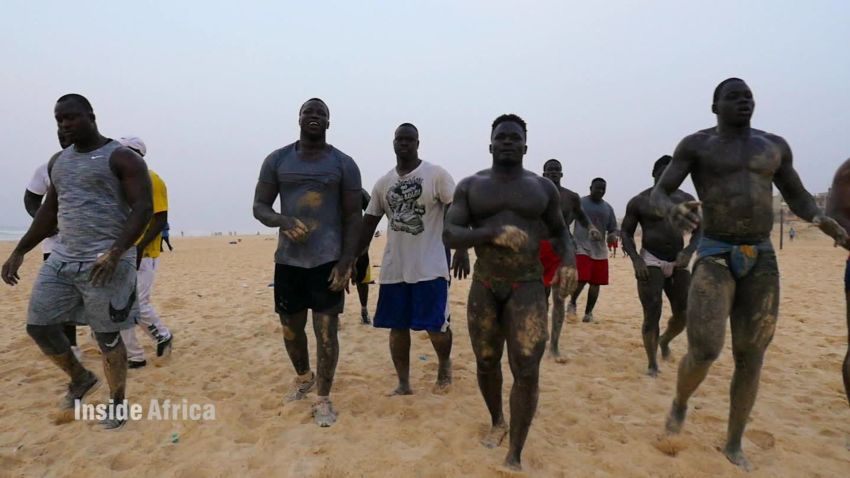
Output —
<point x="756" y="155"/>
<point x="520" y="197"/>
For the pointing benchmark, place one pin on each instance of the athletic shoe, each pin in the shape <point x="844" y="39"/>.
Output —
<point x="78" y="391"/>
<point x="571" y="310"/>
<point x="163" y="347"/>
<point x="77" y="352"/>
<point x="136" y="363"/>
<point x="112" y="423"/>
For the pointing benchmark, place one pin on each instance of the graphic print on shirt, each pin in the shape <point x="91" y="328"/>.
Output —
<point x="405" y="212"/>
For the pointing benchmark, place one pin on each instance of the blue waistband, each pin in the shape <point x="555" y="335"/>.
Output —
<point x="742" y="257"/>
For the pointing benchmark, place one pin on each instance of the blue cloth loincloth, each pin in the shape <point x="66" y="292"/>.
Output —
<point x="742" y="257"/>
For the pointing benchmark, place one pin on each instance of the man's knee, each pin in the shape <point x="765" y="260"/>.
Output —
<point x="49" y="338"/>
<point x="705" y="355"/>
<point x="488" y="362"/>
<point x="526" y="367"/>
<point x="108" y="341"/>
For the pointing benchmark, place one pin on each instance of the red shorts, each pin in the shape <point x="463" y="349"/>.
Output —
<point x="550" y="261"/>
<point x="612" y="245"/>
<point x="592" y="271"/>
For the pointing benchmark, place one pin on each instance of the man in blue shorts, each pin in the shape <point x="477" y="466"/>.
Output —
<point x="414" y="196"/>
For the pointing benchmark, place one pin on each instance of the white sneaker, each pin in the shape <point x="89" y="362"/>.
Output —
<point x="77" y="353"/>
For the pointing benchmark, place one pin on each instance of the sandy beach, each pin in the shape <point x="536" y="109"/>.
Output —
<point x="598" y="415"/>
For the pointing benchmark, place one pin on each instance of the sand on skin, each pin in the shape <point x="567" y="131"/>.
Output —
<point x="598" y="415"/>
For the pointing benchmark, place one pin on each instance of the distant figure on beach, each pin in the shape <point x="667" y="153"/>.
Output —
<point x="792" y="233"/>
<point x="414" y="292"/>
<point x="838" y="207"/>
<point x="571" y="210"/>
<point x="166" y="238"/>
<point x="362" y="271"/>
<point x="733" y="167"/>
<point x="499" y="211"/>
<point x="90" y="277"/>
<point x="147" y="263"/>
<point x="33" y="196"/>
<point x="661" y="266"/>
<point x="591" y="255"/>
<point x="613" y="242"/>
<point x="319" y="222"/>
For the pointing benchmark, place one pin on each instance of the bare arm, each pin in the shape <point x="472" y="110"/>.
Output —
<point x="160" y="219"/>
<point x="43" y="224"/>
<point x="558" y="230"/>
<point x="132" y="173"/>
<point x="264" y="196"/>
<point x="786" y="179"/>
<point x="352" y="219"/>
<point x="684" y="215"/>
<point x="370" y="224"/>
<point x="456" y="231"/>
<point x="580" y="216"/>
<point x="32" y="202"/>
<point x="838" y="205"/>
<point x="628" y="228"/>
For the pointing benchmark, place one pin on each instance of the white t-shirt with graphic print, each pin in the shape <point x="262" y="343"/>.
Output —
<point x="415" y="205"/>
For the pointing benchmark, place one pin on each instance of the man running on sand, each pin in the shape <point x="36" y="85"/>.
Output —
<point x="591" y="253"/>
<point x="100" y="198"/>
<point x="735" y="275"/>
<point x="33" y="197"/>
<point x="319" y="188"/>
<point x="838" y="207"/>
<point x="414" y="292"/>
<point x="661" y="266"/>
<point x="571" y="210"/>
<point x="500" y="211"/>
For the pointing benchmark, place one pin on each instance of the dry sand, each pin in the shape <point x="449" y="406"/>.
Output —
<point x="599" y="415"/>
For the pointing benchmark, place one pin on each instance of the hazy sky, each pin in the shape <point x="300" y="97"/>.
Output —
<point x="606" y="87"/>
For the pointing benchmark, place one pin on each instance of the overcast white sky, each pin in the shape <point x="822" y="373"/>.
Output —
<point x="606" y="87"/>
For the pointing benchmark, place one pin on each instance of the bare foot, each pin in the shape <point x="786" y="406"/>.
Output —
<point x="401" y="390"/>
<point x="665" y="351"/>
<point x="495" y="436"/>
<point x="557" y="357"/>
<point x="513" y="463"/>
<point x="676" y="418"/>
<point x="444" y="383"/>
<point x="323" y="413"/>
<point x="652" y="371"/>
<point x="300" y="388"/>
<point x="737" y="457"/>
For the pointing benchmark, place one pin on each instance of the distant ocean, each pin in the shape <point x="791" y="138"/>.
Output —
<point x="11" y="234"/>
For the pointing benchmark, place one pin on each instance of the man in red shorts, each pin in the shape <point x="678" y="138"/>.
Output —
<point x="571" y="210"/>
<point x="591" y="253"/>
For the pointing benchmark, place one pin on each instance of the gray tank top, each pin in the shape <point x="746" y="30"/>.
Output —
<point x="92" y="208"/>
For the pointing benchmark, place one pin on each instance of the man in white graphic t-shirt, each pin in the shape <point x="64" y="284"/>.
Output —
<point x="414" y="281"/>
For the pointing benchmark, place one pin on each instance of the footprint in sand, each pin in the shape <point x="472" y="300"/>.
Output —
<point x="762" y="439"/>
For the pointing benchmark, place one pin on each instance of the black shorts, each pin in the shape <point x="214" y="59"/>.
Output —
<point x="362" y="268"/>
<point x="297" y="289"/>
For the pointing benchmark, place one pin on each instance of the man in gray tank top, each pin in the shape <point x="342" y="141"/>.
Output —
<point x="100" y="198"/>
<point x="319" y="222"/>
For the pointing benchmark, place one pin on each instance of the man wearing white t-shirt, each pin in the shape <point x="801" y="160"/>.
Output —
<point x="33" y="196"/>
<point x="414" y="281"/>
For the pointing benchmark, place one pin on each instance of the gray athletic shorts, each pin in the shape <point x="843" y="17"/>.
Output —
<point x="62" y="293"/>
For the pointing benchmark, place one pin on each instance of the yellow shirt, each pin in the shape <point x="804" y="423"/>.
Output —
<point x="159" y="194"/>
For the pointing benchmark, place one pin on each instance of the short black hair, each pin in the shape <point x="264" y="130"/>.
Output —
<point x="79" y="99"/>
<point x="662" y="163"/>
<point x="512" y="118"/>
<point x="314" y="99"/>
<point x="553" y="160"/>
<point x="410" y="125"/>
<point x="721" y="85"/>
<point x="598" y="179"/>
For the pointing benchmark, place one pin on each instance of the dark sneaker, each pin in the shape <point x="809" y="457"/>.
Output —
<point x="136" y="363"/>
<point x="112" y="423"/>
<point x="163" y="347"/>
<point x="78" y="391"/>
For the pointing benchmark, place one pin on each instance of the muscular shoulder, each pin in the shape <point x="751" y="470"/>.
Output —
<point x="682" y="196"/>
<point x="774" y="139"/>
<point x="570" y="195"/>
<point x="340" y="155"/>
